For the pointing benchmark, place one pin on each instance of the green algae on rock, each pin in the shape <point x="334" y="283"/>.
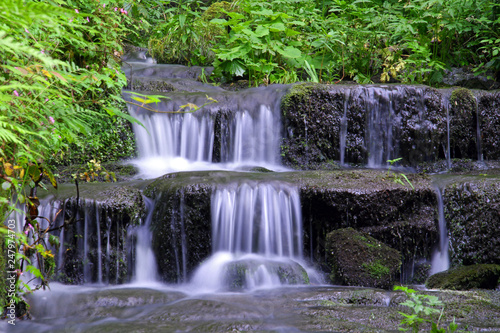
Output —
<point x="483" y="276"/>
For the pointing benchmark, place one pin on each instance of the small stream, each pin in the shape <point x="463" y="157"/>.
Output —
<point x="256" y="277"/>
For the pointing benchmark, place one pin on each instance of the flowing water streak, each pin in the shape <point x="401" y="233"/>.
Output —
<point x="478" y="131"/>
<point x="380" y="140"/>
<point x="446" y="105"/>
<point x="263" y="219"/>
<point x="99" y="249"/>
<point x="145" y="261"/>
<point x="343" y="127"/>
<point x="441" y="258"/>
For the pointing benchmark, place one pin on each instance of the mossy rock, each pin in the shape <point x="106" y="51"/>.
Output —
<point x="463" y="124"/>
<point x="357" y="259"/>
<point x="484" y="276"/>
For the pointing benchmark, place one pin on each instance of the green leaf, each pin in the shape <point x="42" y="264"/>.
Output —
<point x="276" y="27"/>
<point x="182" y="20"/>
<point x="54" y="240"/>
<point x="261" y="31"/>
<point x="235" y="67"/>
<point x="290" y="52"/>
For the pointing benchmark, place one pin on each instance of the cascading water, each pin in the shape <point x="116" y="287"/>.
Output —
<point x="257" y="238"/>
<point x="441" y="257"/>
<point x="145" y="261"/>
<point x="247" y="134"/>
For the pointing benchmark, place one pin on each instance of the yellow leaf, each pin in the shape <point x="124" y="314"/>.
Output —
<point x="46" y="73"/>
<point x="8" y="169"/>
<point x="191" y="106"/>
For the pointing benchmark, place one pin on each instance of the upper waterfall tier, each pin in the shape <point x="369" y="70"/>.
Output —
<point x="241" y="128"/>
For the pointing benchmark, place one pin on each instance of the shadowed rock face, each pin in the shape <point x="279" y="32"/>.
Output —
<point x="324" y="124"/>
<point x="472" y="210"/>
<point x="357" y="259"/>
<point x="181" y="226"/>
<point x="489" y="115"/>
<point x="97" y="244"/>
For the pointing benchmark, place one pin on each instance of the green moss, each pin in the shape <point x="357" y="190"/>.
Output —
<point x="216" y="11"/>
<point x="298" y="94"/>
<point x="376" y="269"/>
<point x="463" y="96"/>
<point x="484" y="276"/>
<point x="359" y="259"/>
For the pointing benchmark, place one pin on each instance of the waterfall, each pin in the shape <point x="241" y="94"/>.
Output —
<point x="257" y="235"/>
<point x="441" y="257"/>
<point x="145" y="261"/>
<point x="343" y="128"/>
<point x="242" y="129"/>
<point x="381" y="141"/>
<point x="263" y="219"/>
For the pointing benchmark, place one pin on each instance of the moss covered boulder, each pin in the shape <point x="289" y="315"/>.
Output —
<point x="357" y="259"/>
<point x="482" y="276"/>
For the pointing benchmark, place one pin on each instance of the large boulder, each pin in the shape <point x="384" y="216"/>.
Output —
<point x="482" y="276"/>
<point x="357" y="259"/>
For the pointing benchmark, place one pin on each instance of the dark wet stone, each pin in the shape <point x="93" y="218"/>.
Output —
<point x="482" y="276"/>
<point x="472" y="211"/>
<point x="489" y="115"/>
<point x="316" y="115"/>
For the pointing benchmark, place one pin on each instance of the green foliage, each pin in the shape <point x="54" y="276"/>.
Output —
<point x="409" y="41"/>
<point x="60" y="79"/>
<point x="398" y="177"/>
<point x="424" y="309"/>
<point x="183" y="38"/>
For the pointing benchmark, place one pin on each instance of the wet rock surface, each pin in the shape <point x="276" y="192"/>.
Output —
<point x="181" y="224"/>
<point x="472" y="210"/>
<point x="97" y="224"/>
<point x="481" y="276"/>
<point x="304" y="309"/>
<point x="357" y="259"/>
<point x="325" y="124"/>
